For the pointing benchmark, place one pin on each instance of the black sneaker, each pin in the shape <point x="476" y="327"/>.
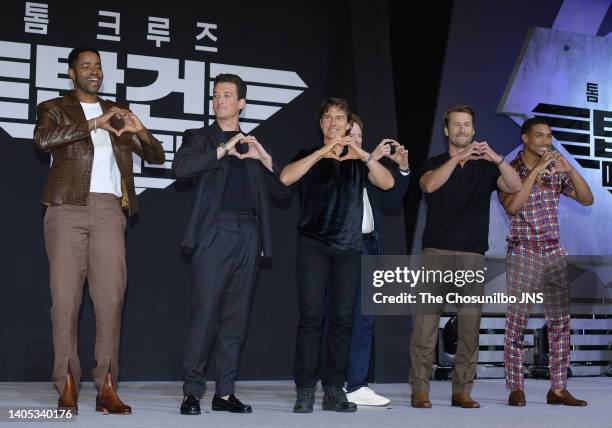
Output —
<point x="334" y="399"/>
<point x="305" y="400"/>
<point x="190" y="405"/>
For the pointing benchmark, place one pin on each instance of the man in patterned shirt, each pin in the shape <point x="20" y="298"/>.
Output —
<point x="535" y="259"/>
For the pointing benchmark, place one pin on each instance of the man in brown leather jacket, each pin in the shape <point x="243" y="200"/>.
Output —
<point x="91" y="141"/>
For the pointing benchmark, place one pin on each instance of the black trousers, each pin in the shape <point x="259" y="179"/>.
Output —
<point x="323" y="271"/>
<point x="223" y="281"/>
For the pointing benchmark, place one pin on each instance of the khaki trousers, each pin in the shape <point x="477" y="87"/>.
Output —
<point x="86" y="242"/>
<point x="426" y="323"/>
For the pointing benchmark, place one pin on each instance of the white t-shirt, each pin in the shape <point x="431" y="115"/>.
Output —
<point x="105" y="175"/>
<point x="367" y="224"/>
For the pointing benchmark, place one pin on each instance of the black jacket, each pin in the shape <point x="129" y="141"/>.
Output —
<point x="387" y="201"/>
<point x="197" y="159"/>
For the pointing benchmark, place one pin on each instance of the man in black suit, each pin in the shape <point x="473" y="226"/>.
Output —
<point x="228" y="230"/>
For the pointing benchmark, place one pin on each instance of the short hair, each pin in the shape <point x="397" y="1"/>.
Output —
<point x="339" y="103"/>
<point x="356" y="119"/>
<point x="73" y="56"/>
<point x="460" y="108"/>
<point x="531" y="122"/>
<point x="241" y="87"/>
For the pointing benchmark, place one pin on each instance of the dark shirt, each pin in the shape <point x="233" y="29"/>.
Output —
<point x="238" y="194"/>
<point x="331" y="199"/>
<point x="458" y="212"/>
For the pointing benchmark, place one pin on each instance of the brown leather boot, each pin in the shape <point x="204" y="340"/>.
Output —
<point x="420" y="400"/>
<point x="464" y="400"/>
<point x="517" y="398"/>
<point x="108" y="401"/>
<point x="565" y="398"/>
<point x="68" y="399"/>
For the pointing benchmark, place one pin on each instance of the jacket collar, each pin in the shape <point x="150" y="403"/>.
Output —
<point x="73" y="106"/>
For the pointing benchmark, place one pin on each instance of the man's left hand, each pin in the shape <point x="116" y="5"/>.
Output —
<point x="255" y="151"/>
<point x="487" y="153"/>
<point x="131" y="123"/>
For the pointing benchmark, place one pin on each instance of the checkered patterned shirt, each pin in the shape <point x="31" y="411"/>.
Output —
<point x="537" y="220"/>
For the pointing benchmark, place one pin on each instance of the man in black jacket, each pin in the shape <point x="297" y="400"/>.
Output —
<point x="228" y="230"/>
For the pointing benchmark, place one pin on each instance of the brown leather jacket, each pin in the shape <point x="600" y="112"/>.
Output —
<point x="61" y="128"/>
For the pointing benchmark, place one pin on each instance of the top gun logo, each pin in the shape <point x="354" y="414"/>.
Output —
<point x="268" y="91"/>
<point x="554" y="80"/>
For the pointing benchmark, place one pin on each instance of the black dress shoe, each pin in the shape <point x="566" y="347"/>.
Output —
<point x="232" y="404"/>
<point x="334" y="399"/>
<point x="190" y="405"/>
<point x="305" y="400"/>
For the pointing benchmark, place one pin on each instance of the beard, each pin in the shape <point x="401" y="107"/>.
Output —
<point x="463" y="143"/>
<point x="81" y="83"/>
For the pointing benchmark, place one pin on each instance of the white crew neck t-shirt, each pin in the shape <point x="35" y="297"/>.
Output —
<point x="105" y="175"/>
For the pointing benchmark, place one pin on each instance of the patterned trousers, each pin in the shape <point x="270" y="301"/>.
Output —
<point x="537" y="268"/>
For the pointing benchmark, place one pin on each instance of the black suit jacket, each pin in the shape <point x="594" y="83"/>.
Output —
<point x="197" y="159"/>
<point x="387" y="201"/>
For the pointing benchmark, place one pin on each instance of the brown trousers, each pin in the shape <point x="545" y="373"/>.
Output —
<point x="426" y="323"/>
<point x="86" y="242"/>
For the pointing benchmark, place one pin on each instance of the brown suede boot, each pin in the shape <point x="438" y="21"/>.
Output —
<point x="420" y="400"/>
<point x="68" y="399"/>
<point x="108" y="401"/>
<point x="464" y="400"/>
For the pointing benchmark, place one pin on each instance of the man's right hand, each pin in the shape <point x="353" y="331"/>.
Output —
<point x="471" y="152"/>
<point x="103" y="121"/>
<point x="327" y="151"/>
<point x="231" y="144"/>
<point x="541" y="168"/>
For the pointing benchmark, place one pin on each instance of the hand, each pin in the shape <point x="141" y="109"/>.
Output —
<point x="255" y="150"/>
<point x="229" y="145"/>
<point x="131" y="123"/>
<point x="110" y="121"/>
<point x="383" y="149"/>
<point x="354" y="151"/>
<point x="541" y="168"/>
<point x="400" y="157"/>
<point x="471" y="152"/>
<point x="561" y="164"/>
<point x="487" y="153"/>
<point x="329" y="150"/>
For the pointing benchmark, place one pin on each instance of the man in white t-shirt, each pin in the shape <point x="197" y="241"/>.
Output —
<point x="91" y="141"/>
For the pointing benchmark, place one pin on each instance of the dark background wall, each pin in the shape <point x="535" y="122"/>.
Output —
<point x="369" y="52"/>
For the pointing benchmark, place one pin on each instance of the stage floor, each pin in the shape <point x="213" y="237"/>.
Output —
<point x="155" y="404"/>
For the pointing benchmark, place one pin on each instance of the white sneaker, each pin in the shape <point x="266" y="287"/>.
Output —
<point x="364" y="396"/>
